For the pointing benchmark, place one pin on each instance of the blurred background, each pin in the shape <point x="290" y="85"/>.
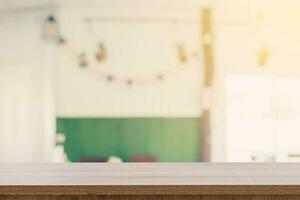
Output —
<point x="149" y="81"/>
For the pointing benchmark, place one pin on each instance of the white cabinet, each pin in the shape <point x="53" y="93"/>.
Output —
<point x="262" y="118"/>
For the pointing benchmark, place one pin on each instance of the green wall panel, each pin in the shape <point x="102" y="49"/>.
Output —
<point x="169" y="139"/>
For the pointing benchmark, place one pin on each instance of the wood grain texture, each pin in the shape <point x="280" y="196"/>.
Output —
<point x="150" y="179"/>
<point x="155" y="197"/>
<point x="150" y="190"/>
<point x="151" y="174"/>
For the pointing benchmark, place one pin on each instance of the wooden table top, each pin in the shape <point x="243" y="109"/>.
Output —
<point x="149" y="178"/>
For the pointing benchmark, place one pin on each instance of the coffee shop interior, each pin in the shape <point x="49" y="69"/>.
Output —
<point x="149" y="81"/>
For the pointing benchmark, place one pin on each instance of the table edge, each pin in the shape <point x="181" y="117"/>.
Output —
<point x="150" y="190"/>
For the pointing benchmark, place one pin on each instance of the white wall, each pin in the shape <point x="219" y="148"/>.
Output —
<point x="243" y="28"/>
<point x="135" y="50"/>
<point x="27" y="116"/>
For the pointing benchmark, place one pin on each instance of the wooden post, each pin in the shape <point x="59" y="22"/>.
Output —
<point x="208" y="63"/>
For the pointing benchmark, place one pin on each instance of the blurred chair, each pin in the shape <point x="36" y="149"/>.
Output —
<point x="143" y="158"/>
<point x="93" y="159"/>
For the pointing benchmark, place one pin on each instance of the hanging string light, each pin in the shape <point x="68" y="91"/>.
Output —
<point x="51" y="31"/>
<point x="263" y="57"/>
<point x="160" y="77"/>
<point x="82" y="60"/>
<point x="264" y="52"/>
<point x="181" y="54"/>
<point x="101" y="56"/>
<point x="109" y="78"/>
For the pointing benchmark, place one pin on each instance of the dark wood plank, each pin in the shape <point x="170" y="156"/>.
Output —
<point x="152" y="190"/>
<point x="155" y="197"/>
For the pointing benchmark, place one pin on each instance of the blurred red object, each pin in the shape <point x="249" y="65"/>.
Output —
<point x="143" y="158"/>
